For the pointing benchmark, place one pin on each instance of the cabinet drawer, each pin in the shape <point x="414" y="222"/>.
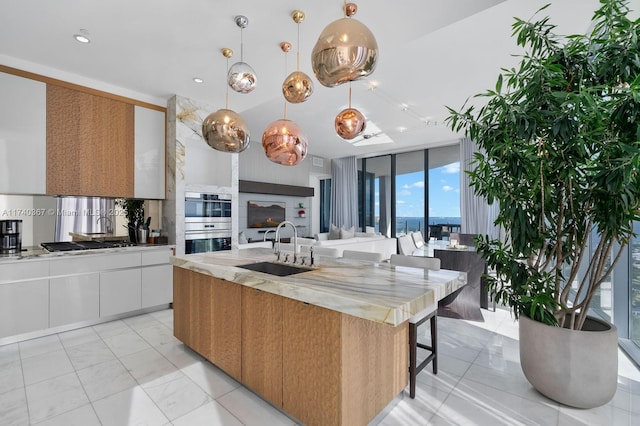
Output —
<point x="156" y="257"/>
<point x="25" y="270"/>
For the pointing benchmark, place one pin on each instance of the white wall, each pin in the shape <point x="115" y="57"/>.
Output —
<point x="37" y="214"/>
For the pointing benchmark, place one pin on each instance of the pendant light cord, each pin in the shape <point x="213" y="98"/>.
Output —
<point x="285" y="74"/>
<point x="226" y="102"/>
<point x="241" y="45"/>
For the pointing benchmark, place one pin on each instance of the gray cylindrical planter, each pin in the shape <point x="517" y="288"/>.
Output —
<point x="575" y="368"/>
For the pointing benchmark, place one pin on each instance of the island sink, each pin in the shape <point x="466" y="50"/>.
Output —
<point x="273" y="268"/>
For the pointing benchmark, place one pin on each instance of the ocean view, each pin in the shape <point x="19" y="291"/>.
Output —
<point x="404" y="225"/>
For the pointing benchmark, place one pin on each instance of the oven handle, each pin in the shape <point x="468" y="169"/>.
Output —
<point x="199" y="235"/>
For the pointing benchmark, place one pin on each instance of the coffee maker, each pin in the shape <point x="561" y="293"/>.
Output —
<point x="10" y="236"/>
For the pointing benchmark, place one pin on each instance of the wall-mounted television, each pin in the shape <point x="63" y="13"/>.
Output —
<point x="265" y="214"/>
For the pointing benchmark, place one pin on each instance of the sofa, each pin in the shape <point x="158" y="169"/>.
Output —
<point x="361" y="241"/>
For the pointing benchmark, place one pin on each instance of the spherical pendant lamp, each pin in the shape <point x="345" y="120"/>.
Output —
<point x="345" y="51"/>
<point x="241" y="77"/>
<point x="298" y="86"/>
<point x="284" y="143"/>
<point x="225" y="130"/>
<point x="350" y="123"/>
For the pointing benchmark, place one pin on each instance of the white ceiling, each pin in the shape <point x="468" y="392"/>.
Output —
<point x="432" y="54"/>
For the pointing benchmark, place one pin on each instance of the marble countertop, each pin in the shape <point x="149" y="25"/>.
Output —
<point x="376" y="292"/>
<point x="38" y="253"/>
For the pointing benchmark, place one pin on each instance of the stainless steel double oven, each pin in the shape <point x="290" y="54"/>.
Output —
<point x="207" y="222"/>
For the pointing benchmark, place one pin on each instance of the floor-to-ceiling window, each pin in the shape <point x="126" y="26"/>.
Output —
<point x="403" y="193"/>
<point x="410" y="193"/>
<point x="444" y="191"/>
<point x="325" y="204"/>
<point x="375" y="194"/>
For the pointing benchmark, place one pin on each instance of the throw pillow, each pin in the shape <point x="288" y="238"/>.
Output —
<point x="334" y="232"/>
<point x="347" y="233"/>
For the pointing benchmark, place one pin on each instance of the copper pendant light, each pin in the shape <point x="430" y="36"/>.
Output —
<point x="241" y="77"/>
<point x="345" y="51"/>
<point x="298" y="86"/>
<point x="225" y="130"/>
<point x="283" y="141"/>
<point x="350" y="122"/>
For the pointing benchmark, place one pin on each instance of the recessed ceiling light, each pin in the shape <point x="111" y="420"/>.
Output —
<point x="198" y="80"/>
<point x="82" y="36"/>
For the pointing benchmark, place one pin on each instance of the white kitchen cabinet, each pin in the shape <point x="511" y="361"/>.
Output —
<point x="157" y="285"/>
<point x="24" y="307"/>
<point x="74" y="299"/>
<point x="149" y="171"/>
<point x="157" y="277"/>
<point x="120" y="291"/>
<point x="23" y="135"/>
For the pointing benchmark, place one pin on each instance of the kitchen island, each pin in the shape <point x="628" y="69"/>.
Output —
<point x="329" y="346"/>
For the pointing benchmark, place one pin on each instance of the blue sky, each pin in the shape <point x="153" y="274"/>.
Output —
<point x="444" y="191"/>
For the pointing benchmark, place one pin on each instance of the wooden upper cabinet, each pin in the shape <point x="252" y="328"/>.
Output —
<point x="90" y="144"/>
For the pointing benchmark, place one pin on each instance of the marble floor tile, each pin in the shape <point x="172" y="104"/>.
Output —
<point x="211" y="379"/>
<point x="129" y="407"/>
<point x="13" y="408"/>
<point x="111" y="328"/>
<point x="55" y="396"/>
<point x="105" y="379"/>
<point x="252" y="410"/>
<point x="176" y="397"/>
<point x="11" y="376"/>
<point x="39" y="346"/>
<point x="126" y="343"/>
<point x="149" y="366"/>
<point x="81" y="416"/>
<point x="165" y="315"/>
<point x="9" y="353"/>
<point x="211" y="414"/>
<point x="46" y="366"/>
<point x="88" y="354"/>
<point x="157" y="334"/>
<point x="141" y="321"/>
<point x="179" y="354"/>
<point x="77" y="337"/>
<point x="606" y="415"/>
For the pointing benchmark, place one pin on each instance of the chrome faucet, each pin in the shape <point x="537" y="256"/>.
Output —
<point x="295" y="239"/>
<point x="108" y="224"/>
<point x="264" y="237"/>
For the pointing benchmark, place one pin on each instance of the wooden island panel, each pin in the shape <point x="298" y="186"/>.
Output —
<point x="311" y="360"/>
<point x="262" y="343"/>
<point x="207" y="318"/>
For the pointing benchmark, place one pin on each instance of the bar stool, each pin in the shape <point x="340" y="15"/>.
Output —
<point x="430" y="314"/>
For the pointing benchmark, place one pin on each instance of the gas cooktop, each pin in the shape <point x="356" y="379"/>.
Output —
<point x="84" y="245"/>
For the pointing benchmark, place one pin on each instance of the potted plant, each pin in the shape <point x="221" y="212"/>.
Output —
<point x="559" y="151"/>
<point x="134" y="211"/>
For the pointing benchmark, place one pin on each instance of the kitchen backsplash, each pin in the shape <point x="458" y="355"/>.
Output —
<point x="38" y="215"/>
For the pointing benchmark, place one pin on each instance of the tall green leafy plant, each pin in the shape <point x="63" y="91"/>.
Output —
<point x="559" y="141"/>
<point x="134" y="210"/>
